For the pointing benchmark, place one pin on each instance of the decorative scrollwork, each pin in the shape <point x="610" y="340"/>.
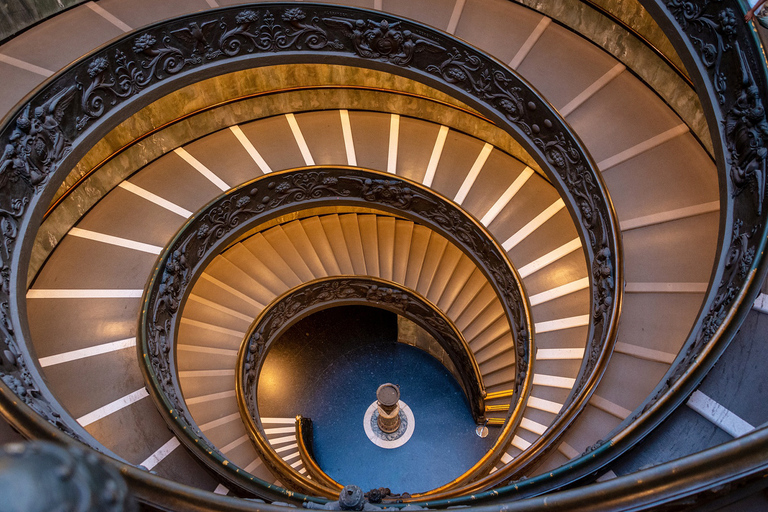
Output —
<point x="277" y="193"/>
<point x="37" y="143"/>
<point x="272" y="36"/>
<point x="471" y="72"/>
<point x="719" y="27"/>
<point x="384" y="40"/>
<point x="746" y="136"/>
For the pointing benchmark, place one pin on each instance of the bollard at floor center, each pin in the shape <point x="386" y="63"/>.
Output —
<point x="388" y="396"/>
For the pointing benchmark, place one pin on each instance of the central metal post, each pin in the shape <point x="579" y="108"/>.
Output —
<point x="388" y="396"/>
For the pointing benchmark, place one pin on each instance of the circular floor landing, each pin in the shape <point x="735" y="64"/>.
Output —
<point x="328" y="368"/>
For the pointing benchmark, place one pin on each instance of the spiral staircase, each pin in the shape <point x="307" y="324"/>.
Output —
<point x="602" y="392"/>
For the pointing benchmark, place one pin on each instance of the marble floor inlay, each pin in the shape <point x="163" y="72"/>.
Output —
<point x="389" y="440"/>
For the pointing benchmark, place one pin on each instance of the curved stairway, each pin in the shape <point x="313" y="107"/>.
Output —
<point x="642" y="147"/>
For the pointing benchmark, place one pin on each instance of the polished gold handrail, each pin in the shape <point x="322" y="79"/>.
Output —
<point x="304" y="442"/>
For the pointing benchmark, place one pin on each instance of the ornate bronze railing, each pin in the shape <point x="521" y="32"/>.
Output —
<point x="243" y="209"/>
<point x="51" y="130"/>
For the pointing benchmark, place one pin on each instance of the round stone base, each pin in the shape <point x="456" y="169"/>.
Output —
<point x="394" y="439"/>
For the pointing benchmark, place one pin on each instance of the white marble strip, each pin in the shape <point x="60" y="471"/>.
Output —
<point x="761" y="303"/>
<point x="553" y="381"/>
<point x="680" y="213"/>
<point x="533" y="426"/>
<point x="466" y="185"/>
<point x="251" y="149"/>
<point x="562" y="323"/>
<point x="109" y="16"/>
<point x="507" y="458"/>
<point x="161" y="453"/>
<point x="236" y="293"/>
<point x="549" y="258"/>
<point x="212" y="3"/>
<point x="153" y="198"/>
<point x="666" y="287"/>
<point x="82" y="353"/>
<point x="120" y="403"/>
<point x="644" y="353"/>
<point x="349" y="142"/>
<point x="253" y="465"/>
<point x="202" y="169"/>
<point x="611" y="408"/>
<point x="296" y="130"/>
<point x="193" y="374"/>
<point x="520" y="443"/>
<point x="290" y="456"/>
<point x="592" y="89"/>
<point x="220" y="489"/>
<point x="544" y="405"/>
<point x="214" y="328"/>
<point x="434" y="159"/>
<point x="278" y="421"/>
<point x="718" y="415"/>
<point x="234" y="444"/>
<point x="210" y="398"/>
<point x="507" y="196"/>
<point x="221" y="421"/>
<point x="281" y="440"/>
<point x="84" y="294"/>
<point x="115" y="240"/>
<point x="207" y="350"/>
<point x="560" y="291"/>
<point x="394" y="136"/>
<point x="651" y="143"/>
<point x="522" y="53"/>
<point x="287" y="447"/>
<point x="302" y="471"/>
<point x="568" y="450"/>
<point x="25" y="66"/>
<point x="297" y="464"/>
<point x="218" y="307"/>
<point x="559" y="354"/>
<point x="533" y="225"/>
<point x="455" y="16"/>
<point x="279" y="430"/>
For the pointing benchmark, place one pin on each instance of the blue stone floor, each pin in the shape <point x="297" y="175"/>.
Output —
<point x="328" y="367"/>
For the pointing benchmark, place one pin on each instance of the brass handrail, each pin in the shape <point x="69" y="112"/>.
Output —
<point x="307" y="454"/>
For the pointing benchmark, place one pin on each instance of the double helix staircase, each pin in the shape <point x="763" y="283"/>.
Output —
<point x="84" y="299"/>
